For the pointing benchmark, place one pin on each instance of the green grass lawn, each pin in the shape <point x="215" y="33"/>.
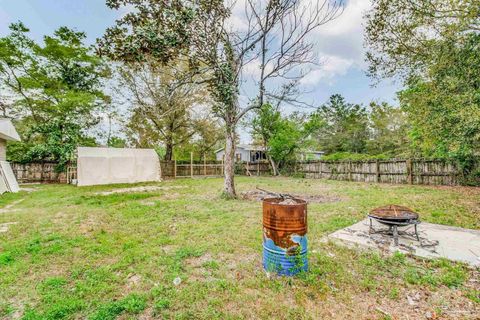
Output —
<point x="74" y="254"/>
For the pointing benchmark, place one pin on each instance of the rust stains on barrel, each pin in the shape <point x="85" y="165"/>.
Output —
<point x="285" y="236"/>
<point x="281" y="221"/>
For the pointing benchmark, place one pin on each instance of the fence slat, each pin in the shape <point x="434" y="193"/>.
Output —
<point x="396" y="171"/>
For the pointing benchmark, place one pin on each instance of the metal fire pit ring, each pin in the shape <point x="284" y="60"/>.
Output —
<point x="395" y="216"/>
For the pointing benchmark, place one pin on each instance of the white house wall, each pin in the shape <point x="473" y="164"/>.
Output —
<point x="244" y="154"/>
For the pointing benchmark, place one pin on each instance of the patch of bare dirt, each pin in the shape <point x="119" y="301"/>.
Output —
<point x="241" y="265"/>
<point x="91" y="224"/>
<point x="259" y="195"/>
<point x="133" y="280"/>
<point x="19" y="309"/>
<point x="168" y="249"/>
<point x="153" y="201"/>
<point x="236" y="266"/>
<point x="461" y="189"/>
<point x="8" y="207"/>
<point x="5" y="226"/>
<point x="60" y="217"/>
<point x="26" y="189"/>
<point x="138" y="189"/>
<point x="147" y="314"/>
<point x="171" y="196"/>
<point x="198" y="271"/>
<point x="148" y="203"/>
<point x="197" y="262"/>
<point x="410" y="304"/>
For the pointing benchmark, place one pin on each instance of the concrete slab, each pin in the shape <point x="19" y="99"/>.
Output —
<point x="436" y="241"/>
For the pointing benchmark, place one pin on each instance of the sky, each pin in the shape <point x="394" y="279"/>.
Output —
<point x="339" y="44"/>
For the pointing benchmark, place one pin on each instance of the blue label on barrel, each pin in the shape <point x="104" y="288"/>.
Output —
<point x="288" y="262"/>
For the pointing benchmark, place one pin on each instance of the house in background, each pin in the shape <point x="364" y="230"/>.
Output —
<point x="245" y="153"/>
<point x="251" y="153"/>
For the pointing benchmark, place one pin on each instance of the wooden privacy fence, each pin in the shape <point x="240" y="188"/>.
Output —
<point x="45" y="172"/>
<point x="253" y="168"/>
<point x="398" y="171"/>
<point x="38" y="172"/>
<point x="176" y="169"/>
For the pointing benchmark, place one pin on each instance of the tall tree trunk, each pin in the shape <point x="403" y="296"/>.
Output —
<point x="229" y="162"/>
<point x="168" y="150"/>
<point x="274" y="166"/>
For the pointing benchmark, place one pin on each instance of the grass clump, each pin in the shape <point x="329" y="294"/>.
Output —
<point x="131" y="304"/>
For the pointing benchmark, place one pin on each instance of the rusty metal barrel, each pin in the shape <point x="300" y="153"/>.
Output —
<point x="285" y="236"/>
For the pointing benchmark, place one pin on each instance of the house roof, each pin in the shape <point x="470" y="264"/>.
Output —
<point x="251" y="147"/>
<point x="248" y="147"/>
<point x="7" y="130"/>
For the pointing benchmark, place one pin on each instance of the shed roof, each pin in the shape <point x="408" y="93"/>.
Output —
<point x="7" y="130"/>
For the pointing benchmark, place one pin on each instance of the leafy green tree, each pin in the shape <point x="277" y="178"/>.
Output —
<point x="164" y="98"/>
<point x="388" y="134"/>
<point x="265" y="125"/>
<point x="56" y="88"/>
<point x="206" y="135"/>
<point x="346" y="126"/>
<point x="404" y="37"/>
<point x="209" y="136"/>
<point x="117" y="142"/>
<point x="141" y="133"/>
<point x="281" y="136"/>
<point x="444" y="106"/>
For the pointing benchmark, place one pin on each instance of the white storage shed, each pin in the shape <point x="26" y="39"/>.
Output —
<point x="97" y="166"/>
<point x="8" y="182"/>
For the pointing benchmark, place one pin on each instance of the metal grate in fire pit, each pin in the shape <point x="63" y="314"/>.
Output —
<point x="393" y="212"/>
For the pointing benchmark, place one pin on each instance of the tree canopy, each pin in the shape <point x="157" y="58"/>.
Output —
<point x="346" y="128"/>
<point x="163" y="99"/>
<point x="433" y="47"/>
<point x="444" y="109"/>
<point x="55" y="89"/>
<point x="403" y="37"/>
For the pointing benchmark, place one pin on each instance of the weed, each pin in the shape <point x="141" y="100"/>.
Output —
<point x="6" y="258"/>
<point x="131" y="304"/>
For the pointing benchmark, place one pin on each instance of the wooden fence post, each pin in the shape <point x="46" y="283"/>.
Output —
<point x="377" y="170"/>
<point x="191" y="164"/>
<point x="258" y="169"/>
<point x="174" y="168"/>
<point x="204" y="165"/>
<point x="410" y="171"/>
<point x="221" y="169"/>
<point x="350" y="175"/>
